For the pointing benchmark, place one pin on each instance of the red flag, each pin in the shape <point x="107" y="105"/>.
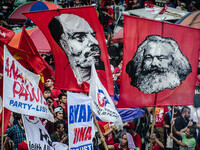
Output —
<point x="5" y="37"/>
<point x="163" y="10"/>
<point x="159" y="63"/>
<point x="39" y="65"/>
<point x="77" y="41"/>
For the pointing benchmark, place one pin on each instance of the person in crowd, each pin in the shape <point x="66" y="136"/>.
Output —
<point x="181" y="5"/>
<point x="59" y="135"/>
<point x="156" y="143"/>
<point x="54" y="92"/>
<point x="167" y="122"/>
<point x="142" y="126"/>
<point x="23" y="145"/>
<point x="47" y="93"/>
<point x="58" y="116"/>
<point x="110" y="14"/>
<point x="181" y="124"/>
<point x="108" y="129"/>
<point x="160" y="113"/>
<point x="50" y="103"/>
<point x="188" y="138"/>
<point x="126" y="143"/>
<point x="117" y="74"/>
<point x="16" y="133"/>
<point x="170" y="3"/>
<point x="130" y="128"/>
<point x="193" y="6"/>
<point x="63" y="103"/>
<point x="139" y="4"/>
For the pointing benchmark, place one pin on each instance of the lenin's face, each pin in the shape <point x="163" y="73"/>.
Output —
<point x="157" y="58"/>
<point x="82" y="51"/>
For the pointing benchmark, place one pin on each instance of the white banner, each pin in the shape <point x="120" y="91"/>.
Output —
<point x="36" y="134"/>
<point x="80" y="122"/>
<point x="21" y="93"/>
<point x="102" y="104"/>
<point x="60" y="146"/>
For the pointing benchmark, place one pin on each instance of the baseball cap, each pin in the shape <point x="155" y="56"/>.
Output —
<point x="130" y="125"/>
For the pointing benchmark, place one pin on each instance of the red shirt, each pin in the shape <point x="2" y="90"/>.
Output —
<point x="111" y="12"/>
<point x="105" y="126"/>
<point x="22" y="146"/>
<point x="116" y="145"/>
<point x="137" y="140"/>
<point x="55" y="93"/>
<point x="160" y="115"/>
<point x="156" y="147"/>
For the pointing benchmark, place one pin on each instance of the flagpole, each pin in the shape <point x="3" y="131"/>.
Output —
<point x="172" y="116"/>
<point x="100" y="133"/>
<point x="152" y="127"/>
<point x="2" y="130"/>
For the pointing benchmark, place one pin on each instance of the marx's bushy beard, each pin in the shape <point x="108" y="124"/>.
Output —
<point x="156" y="79"/>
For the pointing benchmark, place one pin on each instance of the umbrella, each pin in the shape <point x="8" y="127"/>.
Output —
<point x="18" y="17"/>
<point x="192" y="19"/>
<point x="38" y="38"/>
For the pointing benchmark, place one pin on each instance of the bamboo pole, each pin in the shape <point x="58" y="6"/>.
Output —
<point x="2" y="131"/>
<point x="172" y="118"/>
<point x="100" y="133"/>
<point x="152" y="127"/>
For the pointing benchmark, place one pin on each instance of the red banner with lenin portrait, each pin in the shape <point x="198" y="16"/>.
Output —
<point x="77" y="41"/>
<point x="159" y="63"/>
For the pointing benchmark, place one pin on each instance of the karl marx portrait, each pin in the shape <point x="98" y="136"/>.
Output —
<point x="158" y="64"/>
<point x="77" y="39"/>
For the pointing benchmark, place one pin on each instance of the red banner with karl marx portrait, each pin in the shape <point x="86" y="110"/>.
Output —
<point x="77" y="41"/>
<point x="159" y="63"/>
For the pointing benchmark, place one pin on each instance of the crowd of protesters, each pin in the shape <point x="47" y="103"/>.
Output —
<point x="174" y="131"/>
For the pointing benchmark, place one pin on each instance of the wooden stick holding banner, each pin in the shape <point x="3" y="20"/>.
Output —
<point x="172" y="117"/>
<point x="197" y="115"/>
<point x="2" y="131"/>
<point x="100" y="133"/>
<point x="152" y="127"/>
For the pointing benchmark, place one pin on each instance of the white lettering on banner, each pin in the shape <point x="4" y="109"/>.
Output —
<point x="2" y="33"/>
<point x="21" y="91"/>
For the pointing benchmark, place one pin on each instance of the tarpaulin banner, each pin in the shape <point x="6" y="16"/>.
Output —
<point x="36" y="135"/>
<point x="80" y="122"/>
<point x="21" y="93"/>
<point x="159" y="63"/>
<point x="77" y="40"/>
<point x="102" y="104"/>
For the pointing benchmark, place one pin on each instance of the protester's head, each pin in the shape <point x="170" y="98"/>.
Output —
<point x="127" y="141"/>
<point x="158" y="64"/>
<point x="77" y="39"/>
<point x="62" y="98"/>
<point x="60" y="126"/>
<point x="49" y="100"/>
<point x="185" y="112"/>
<point x="49" y="83"/>
<point x="59" y="113"/>
<point x="47" y="93"/>
<point x="107" y="5"/>
<point x="18" y="117"/>
<point x="190" y="132"/>
<point x="130" y="127"/>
